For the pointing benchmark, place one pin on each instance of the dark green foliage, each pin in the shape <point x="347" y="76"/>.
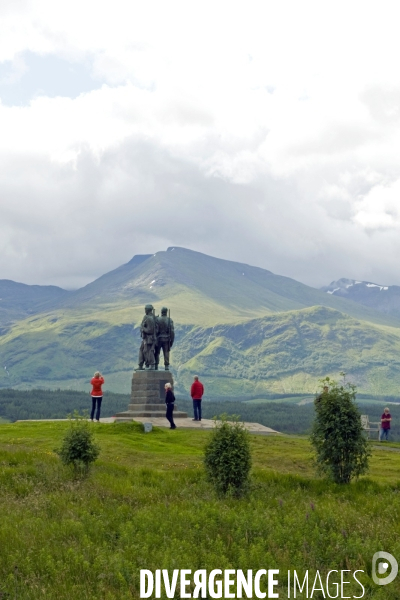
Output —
<point x="55" y="404"/>
<point x="342" y="450"/>
<point x="78" y="448"/>
<point x="227" y="457"/>
<point x="282" y="416"/>
<point x="288" y="417"/>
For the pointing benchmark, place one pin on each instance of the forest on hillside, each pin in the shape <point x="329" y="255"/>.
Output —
<point x="286" y="417"/>
<point x="54" y="404"/>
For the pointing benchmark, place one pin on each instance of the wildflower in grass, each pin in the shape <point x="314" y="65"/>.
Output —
<point x="342" y="450"/>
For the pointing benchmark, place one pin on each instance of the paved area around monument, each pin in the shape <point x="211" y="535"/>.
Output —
<point x="205" y="424"/>
<point x="256" y="428"/>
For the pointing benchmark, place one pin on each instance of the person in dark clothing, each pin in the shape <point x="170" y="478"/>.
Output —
<point x="170" y="402"/>
<point x="97" y="395"/>
<point x="197" y="391"/>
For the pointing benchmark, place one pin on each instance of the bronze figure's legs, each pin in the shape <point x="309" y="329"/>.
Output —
<point x="165" y="348"/>
<point x="141" y="356"/>
<point x="157" y="356"/>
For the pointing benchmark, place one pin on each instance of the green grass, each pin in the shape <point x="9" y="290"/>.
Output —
<point x="147" y="505"/>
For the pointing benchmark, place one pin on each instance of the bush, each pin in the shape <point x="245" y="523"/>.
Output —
<point x="227" y="457"/>
<point x="342" y="450"/>
<point x="78" y="447"/>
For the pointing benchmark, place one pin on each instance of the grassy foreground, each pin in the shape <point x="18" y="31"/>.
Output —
<point x="146" y="505"/>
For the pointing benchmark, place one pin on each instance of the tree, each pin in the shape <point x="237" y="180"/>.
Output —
<point x="78" y="448"/>
<point x="342" y="450"/>
<point x="227" y="457"/>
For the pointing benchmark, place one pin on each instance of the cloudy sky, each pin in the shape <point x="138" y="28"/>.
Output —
<point x="265" y="132"/>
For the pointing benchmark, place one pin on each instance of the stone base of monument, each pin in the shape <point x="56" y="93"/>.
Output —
<point x="148" y="396"/>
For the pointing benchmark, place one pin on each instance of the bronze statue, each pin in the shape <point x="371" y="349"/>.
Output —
<point x="148" y="332"/>
<point x="165" y="337"/>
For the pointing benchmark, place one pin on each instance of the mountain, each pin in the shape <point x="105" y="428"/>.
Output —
<point x="290" y="352"/>
<point x="18" y="300"/>
<point x="384" y="298"/>
<point x="203" y="290"/>
<point x="219" y="308"/>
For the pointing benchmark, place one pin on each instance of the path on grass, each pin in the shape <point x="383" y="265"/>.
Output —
<point x="386" y="448"/>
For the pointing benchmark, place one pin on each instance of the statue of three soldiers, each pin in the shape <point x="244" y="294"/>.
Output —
<point x="156" y="332"/>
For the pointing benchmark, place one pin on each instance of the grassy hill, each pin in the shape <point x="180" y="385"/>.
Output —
<point x="283" y="353"/>
<point x="204" y="290"/>
<point x="18" y="300"/>
<point x="289" y="352"/>
<point x="147" y="505"/>
<point x="243" y="329"/>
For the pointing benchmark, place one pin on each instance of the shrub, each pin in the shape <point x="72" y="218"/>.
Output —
<point x="342" y="450"/>
<point x="78" y="448"/>
<point x="227" y="457"/>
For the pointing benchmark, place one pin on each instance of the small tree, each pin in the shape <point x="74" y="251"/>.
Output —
<point x="227" y="457"/>
<point x="78" y="448"/>
<point x="342" y="450"/>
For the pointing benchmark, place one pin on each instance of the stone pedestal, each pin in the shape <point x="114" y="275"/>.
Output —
<point x="148" y="396"/>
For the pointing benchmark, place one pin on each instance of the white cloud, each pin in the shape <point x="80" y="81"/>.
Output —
<point x="380" y="208"/>
<point x="275" y="124"/>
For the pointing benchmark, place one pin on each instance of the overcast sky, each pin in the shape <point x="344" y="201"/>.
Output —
<point x="262" y="132"/>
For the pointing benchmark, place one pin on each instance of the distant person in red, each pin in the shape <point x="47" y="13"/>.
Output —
<point x="197" y="391"/>
<point x="97" y="395"/>
<point x="385" y="425"/>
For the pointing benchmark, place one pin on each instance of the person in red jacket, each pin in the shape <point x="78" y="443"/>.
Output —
<point x="197" y="391"/>
<point x="97" y="395"/>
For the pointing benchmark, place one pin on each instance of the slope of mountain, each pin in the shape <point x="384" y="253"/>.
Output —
<point x="286" y="352"/>
<point x="290" y="352"/>
<point x="385" y="298"/>
<point x="219" y="308"/>
<point x="18" y="300"/>
<point x="203" y="290"/>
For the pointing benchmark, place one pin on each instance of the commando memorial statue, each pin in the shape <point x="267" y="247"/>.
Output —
<point x="148" y="332"/>
<point x="157" y="333"/>
<point x="165" y="337"/>
<point x="148" y="383"/>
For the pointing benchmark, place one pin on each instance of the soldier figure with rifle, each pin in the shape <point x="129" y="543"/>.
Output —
<point x="148" y="332"/>
<point x="165" y="338"/>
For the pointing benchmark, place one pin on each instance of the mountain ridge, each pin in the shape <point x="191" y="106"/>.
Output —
<point x="239" y="287"/>
<point x="384" y="298"/>
<point x="244" y="288"/>
<point x="311" y="333"/>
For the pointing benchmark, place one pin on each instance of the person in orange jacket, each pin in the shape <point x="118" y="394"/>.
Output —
<point x="97" y="395"/>
<point x="197" y="391"/>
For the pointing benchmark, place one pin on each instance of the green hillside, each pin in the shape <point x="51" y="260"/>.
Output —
<point x="289" y="352"/>
<point x="18" y="300"/>
<point x="147" y="505"/>
<point x="203" y="290"/>
<point x="244" y="330"/>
